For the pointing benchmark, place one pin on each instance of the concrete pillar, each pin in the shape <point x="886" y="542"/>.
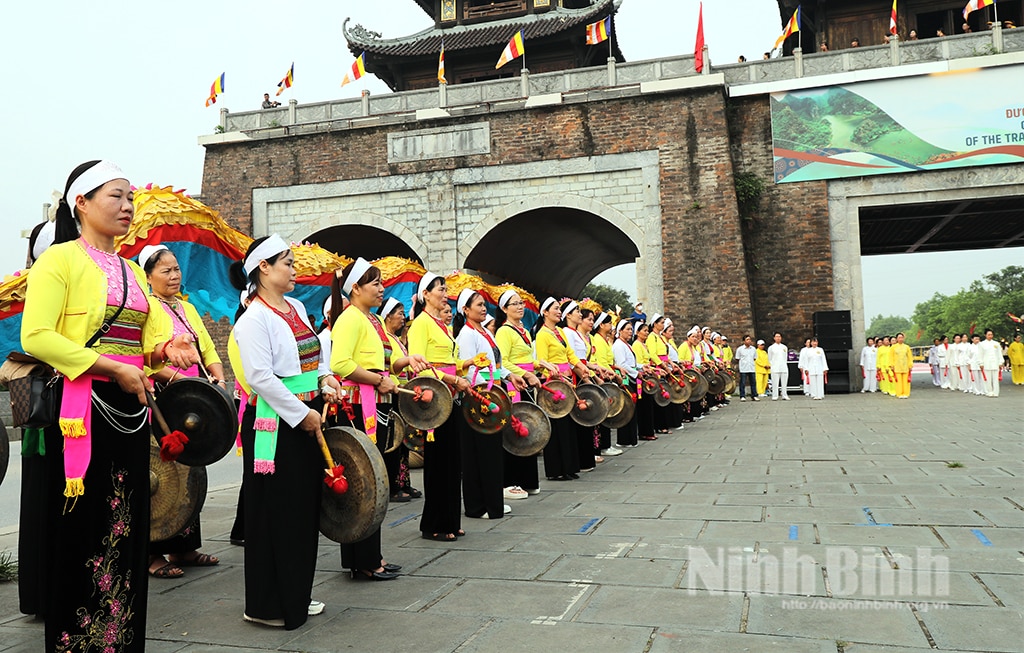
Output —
<point x="894" y="50"/>
<point x="997" y="36"/>
<point x="224" y="119"/>
<point x="798" y="62"/>
<point x="524" y="83"/>
<point x="612" y="76"/>
<point x="707" y="62"/>
<point x="442" y="95"/>
<point x="291" y="110"/>
<point x="366" y="102"/>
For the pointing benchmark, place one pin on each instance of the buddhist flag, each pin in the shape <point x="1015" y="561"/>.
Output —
<point x="513" y="50"/>
<point x="792" y="27"/>
<point x="598" y="32"/>
<point x="358" y="70"/>
<point x="892" y="18"/>
<point x="288" y="80"/>
<point x="974" y="5"/>
<point x="441" y="79"/>
<point x="215" y="89"/>
<point x="698" y="48"/>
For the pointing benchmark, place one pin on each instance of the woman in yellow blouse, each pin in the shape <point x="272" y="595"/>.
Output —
<point x="902" y="361"/>
<point x="87" y="314"/>
<point x="884" y="362"/>
<point x="430" y="338"/>
<point x="178" y="317"/>
<point x="645" y="403"/>
<point x="561" y="454"/>
<point x="1016" y="353"/>
<point x="603" y="337"/>
<point x="392" y="315"/>
<point x="657" y="350"/>
<point x="762" y="368"/>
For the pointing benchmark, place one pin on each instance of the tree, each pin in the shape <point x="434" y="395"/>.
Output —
<point x="890" y="325"/>
<point x="609" y="297"/>
<point x="984" y="304"/>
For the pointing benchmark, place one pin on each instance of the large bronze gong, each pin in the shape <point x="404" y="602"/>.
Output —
<point x="678" y="389"/>
<point x="176" y="495"/>
<point x="481" y="415"/>
<point x="617" y="397"/>
<point x="625" y="415"/>
<point x="698" y="384"/>
<point x="5" y="451"/>
<point x="716" y="382"/>
<point x="538" y="430"/>
<point x="556" y="398"/>
<point x="425" y="415"/>
<point x="206" y="413"/>
<point x="396" y="433"/>
<point x="352" y="516"/>
<point x="591" y="407"/>
<point x="661" y="396"/>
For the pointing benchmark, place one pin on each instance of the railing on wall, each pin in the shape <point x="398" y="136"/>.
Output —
<point x="614" y="77"/>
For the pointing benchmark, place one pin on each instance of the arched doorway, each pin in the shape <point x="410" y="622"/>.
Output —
<point x="552" y="250"/>
<point x="371" y="243"/>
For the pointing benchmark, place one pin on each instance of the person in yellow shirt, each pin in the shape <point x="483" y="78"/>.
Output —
<point x="762" y="369"/>
<point x="657" y="349"/>
<point x="430" y="337"/>
<point x="645" y="402"/>
<point x="902" y="361"/>
<point x="1016" y="354"/>
<point x="561" y="454"/>
<point x="605" y="358"/>
<point x="883" y="361"/>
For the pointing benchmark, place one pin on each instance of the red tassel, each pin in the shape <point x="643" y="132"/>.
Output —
<point x="171" y="446"/>
<point x="423" y="395"/>
<point x="519" y="428"/>
<point x="346" y="406"/>
<point x="582" y="404"/>
<point x="336" y="480"/>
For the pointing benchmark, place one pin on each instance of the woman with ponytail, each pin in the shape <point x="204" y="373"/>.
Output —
<point x="87" y="314"/>
<point x="392" y="317"/>
<point x="282" y="469"/>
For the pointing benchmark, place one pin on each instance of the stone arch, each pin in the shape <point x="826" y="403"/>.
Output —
<point x="497" y="247"/>
<point x="395" y="235"/>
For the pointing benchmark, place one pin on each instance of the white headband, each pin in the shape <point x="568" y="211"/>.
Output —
<point x="44" y="239"/>
<point x="148" y="252"/>
<point x="547" y="304"/>
<point x="505" y="298"/>
<point x="668" y="322"/>
<point x="657" y="316"/>
<point x="269" y="247"/>
<point x="464" y="298"/>
<point x="715" y="334"/>
<point x="600" y="320"/>
<point x="705" y="330"/>
<point x="425" y="281"/>
<point x="622" y="325"/>
<point x="359" y="268"/>
<point x="389" y="305"/>
<point x="327" y="308"/>
<point x="92" y="179"/>
<point x="760" y="342"/>
<point x="694" y="331"/>
<point x="639" y="324"/>
<point x="487" y="320"/>
<point x="243" y="297"/>
<point x="570" y="308"/>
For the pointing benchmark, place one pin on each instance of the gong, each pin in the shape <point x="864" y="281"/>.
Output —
<point x="617" y="397"/>
<point x="698" y="384"/>
<point x="556" y="398"/>
<point x="538" y="430"/>
<point x="678" y="390"/>
<point x="425" y="415"/>
<point x="354" y="515"/>
<point x="730" y="384"/>
<point x="625" y="415"/>
<point x="490" y="415"/>
<point x="396" y="433"/>
<point x="649" y="384"/>
<point x="661" y="396"/>
<point x="176" y="495"/>
<point x="206" y="413"/>
<point x="716" y="383"/>
<point x="591" y="406"/>
<point x="5" y="451"/>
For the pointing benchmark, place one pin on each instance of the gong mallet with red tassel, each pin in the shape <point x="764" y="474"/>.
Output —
<point x="173" y="442"/>
<point x="335" y="478"/>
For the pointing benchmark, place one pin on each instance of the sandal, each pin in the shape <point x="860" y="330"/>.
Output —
<point x="197" y="560"/>
<point x="412" y="492"/>
<point x="439" y="537"/>
<point x="169" y="570"/>
<point x="400" y="497"/>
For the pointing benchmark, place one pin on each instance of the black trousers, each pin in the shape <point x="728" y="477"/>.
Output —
<point x="442" y="486"/>
<point x="482" y="478"/>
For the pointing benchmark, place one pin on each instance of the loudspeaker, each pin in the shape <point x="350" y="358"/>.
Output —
<point x="838" y="383"/>
<point x="838" y="361"/>
<point x="832" y="317"/>
<point x="834" y="330"/>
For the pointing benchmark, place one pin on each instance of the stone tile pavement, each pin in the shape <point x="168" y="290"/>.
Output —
<point x="831" y="526"/>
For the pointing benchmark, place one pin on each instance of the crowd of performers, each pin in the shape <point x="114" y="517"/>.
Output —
<point x="118" y="330"/>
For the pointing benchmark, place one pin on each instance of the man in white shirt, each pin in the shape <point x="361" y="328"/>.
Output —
<point x="816" y="369"/>
<point x="933" y="363"/>
<point x="991" y="355"/>
<point x="778" y="358"/>
<point x="746" y="356"/>
<point x="944" y="361"/>
<point x="868" y="366"/>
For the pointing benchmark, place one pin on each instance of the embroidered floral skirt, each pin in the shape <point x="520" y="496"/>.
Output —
<point x="97" y="546"/>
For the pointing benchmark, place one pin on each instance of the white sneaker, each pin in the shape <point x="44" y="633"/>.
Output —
<point x="506" y="509"/>
<point x="679" y="428"/>
<point x="534" y="491"/>
<point x="755" y="399"/>
<point x="611" y="451"/>
<point x="315" y="608"/>
<point x="514" y="492"/>
<point x="743" y="398"/>
<point x="775" y="398"/>
<point x="785" y="398"/>
<point x="273" y="623"/>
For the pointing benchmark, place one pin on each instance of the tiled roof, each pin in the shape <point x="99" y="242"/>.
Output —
<point x="467" y="37"/>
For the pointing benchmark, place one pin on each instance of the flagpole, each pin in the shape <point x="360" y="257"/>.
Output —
<point x="799" y="32"/>
<point x="611" y="38"/>
<point x="995" y="9"/>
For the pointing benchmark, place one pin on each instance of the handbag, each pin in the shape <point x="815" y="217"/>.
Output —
<point x="35" y="387"/>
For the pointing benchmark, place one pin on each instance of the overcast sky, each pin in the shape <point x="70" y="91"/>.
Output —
<point x="126" y="81"/>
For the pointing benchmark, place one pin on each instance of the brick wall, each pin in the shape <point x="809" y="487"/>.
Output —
<point x="771" y="272"/>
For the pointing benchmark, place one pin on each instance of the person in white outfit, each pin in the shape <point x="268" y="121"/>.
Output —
<point x="778" y="358"/>
<point x="933" y="363"/>
<point x="801" y="366"/>
<point x="964" y="361"/>
<point x="816" y="369"/>
<point x="956" y="374"/>
<point x="944" y="361"/>
<point x="977" y="386"/>
<point x="991" y="360"/>
<point x="868" y="367"/>
<point x="746" y="356"/>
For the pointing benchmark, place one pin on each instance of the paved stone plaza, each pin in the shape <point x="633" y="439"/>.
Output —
<point x="793" y="526"/>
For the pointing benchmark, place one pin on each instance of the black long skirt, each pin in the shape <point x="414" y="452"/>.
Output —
<point x="442" y="485"/>
<point x="282" y="524"/>
<point x="521" y="471"/>
<point x="366" y="554"/>
<point x="97" y="547"/>
<point x="482" y="478"/>
<point x="585" y="446"/>
<point x="190" y="539"/>
<point x="561" y="453"/>
<point x="32" y="562"/>
<point x="627" y="435"/>
<point x="645" y="415"/>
